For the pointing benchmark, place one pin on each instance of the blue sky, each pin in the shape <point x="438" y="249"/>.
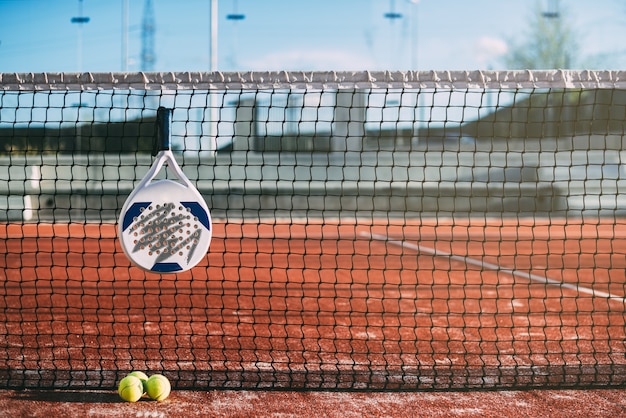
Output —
<point x="37" y="35"/>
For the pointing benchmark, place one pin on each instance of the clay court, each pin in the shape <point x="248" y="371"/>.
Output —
<point x="422" y="305"/>
<point x="430" y="305"/>
<point x="321" y="306"/>
<point x="601" y="403"/>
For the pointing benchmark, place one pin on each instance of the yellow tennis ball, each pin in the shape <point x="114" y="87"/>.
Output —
<point x="141" y="376"/>
<point x="158" y="387"/>
<point x="130" y="389"/>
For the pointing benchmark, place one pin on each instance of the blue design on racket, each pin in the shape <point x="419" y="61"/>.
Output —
<point x="165" y="225"/>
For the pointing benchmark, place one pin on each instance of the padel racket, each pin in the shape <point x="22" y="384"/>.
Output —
<point x="165" y="225"/>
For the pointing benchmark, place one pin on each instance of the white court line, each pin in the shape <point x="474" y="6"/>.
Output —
<point x="495" y="267"/>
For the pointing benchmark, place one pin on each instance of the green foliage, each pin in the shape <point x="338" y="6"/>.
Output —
<point x="549" y="43"/>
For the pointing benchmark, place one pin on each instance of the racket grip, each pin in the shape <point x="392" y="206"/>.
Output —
<point x="163" y="130"/>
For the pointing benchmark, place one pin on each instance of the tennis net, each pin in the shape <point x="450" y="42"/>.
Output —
<point x="371" y="230"/>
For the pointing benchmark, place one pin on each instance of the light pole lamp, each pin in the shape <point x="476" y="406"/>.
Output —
<point x="392" y="14"/>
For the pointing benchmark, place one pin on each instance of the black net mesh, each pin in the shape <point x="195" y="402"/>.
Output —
<point x="366" y="234"/>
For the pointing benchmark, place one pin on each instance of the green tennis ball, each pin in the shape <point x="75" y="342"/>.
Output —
<point x="158" y="387"/>
<point x="141" y="376"/>
<point x="130" y="389"/>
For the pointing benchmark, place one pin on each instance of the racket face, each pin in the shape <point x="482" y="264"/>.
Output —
<point x="165" y="227"/>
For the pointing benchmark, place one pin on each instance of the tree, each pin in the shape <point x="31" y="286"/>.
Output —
<point x="549" y="43"/>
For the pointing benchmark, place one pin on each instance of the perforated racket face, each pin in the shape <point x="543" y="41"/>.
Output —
<point x="165" y="227"/>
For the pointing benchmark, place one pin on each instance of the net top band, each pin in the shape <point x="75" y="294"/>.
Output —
<point x="518" y="79"/>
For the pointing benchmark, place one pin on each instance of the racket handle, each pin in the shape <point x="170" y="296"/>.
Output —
<point x="163" y="130"/>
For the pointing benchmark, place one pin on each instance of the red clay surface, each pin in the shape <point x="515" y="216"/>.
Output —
<point x="537" y="403"/>
<point x="417" y="305"/>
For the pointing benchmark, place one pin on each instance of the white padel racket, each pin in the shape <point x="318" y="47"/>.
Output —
<point x="165" y="225"/>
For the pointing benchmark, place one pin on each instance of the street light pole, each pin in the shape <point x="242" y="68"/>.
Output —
<point x="413" y="42"/>
<point x="392" y="16"/>
<point x="124" y="35"/>
<point x="213" y="35"/>
<point x="80" y="20"/>
<point x="235" y="17"/>
<point x="213" y="44"/>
